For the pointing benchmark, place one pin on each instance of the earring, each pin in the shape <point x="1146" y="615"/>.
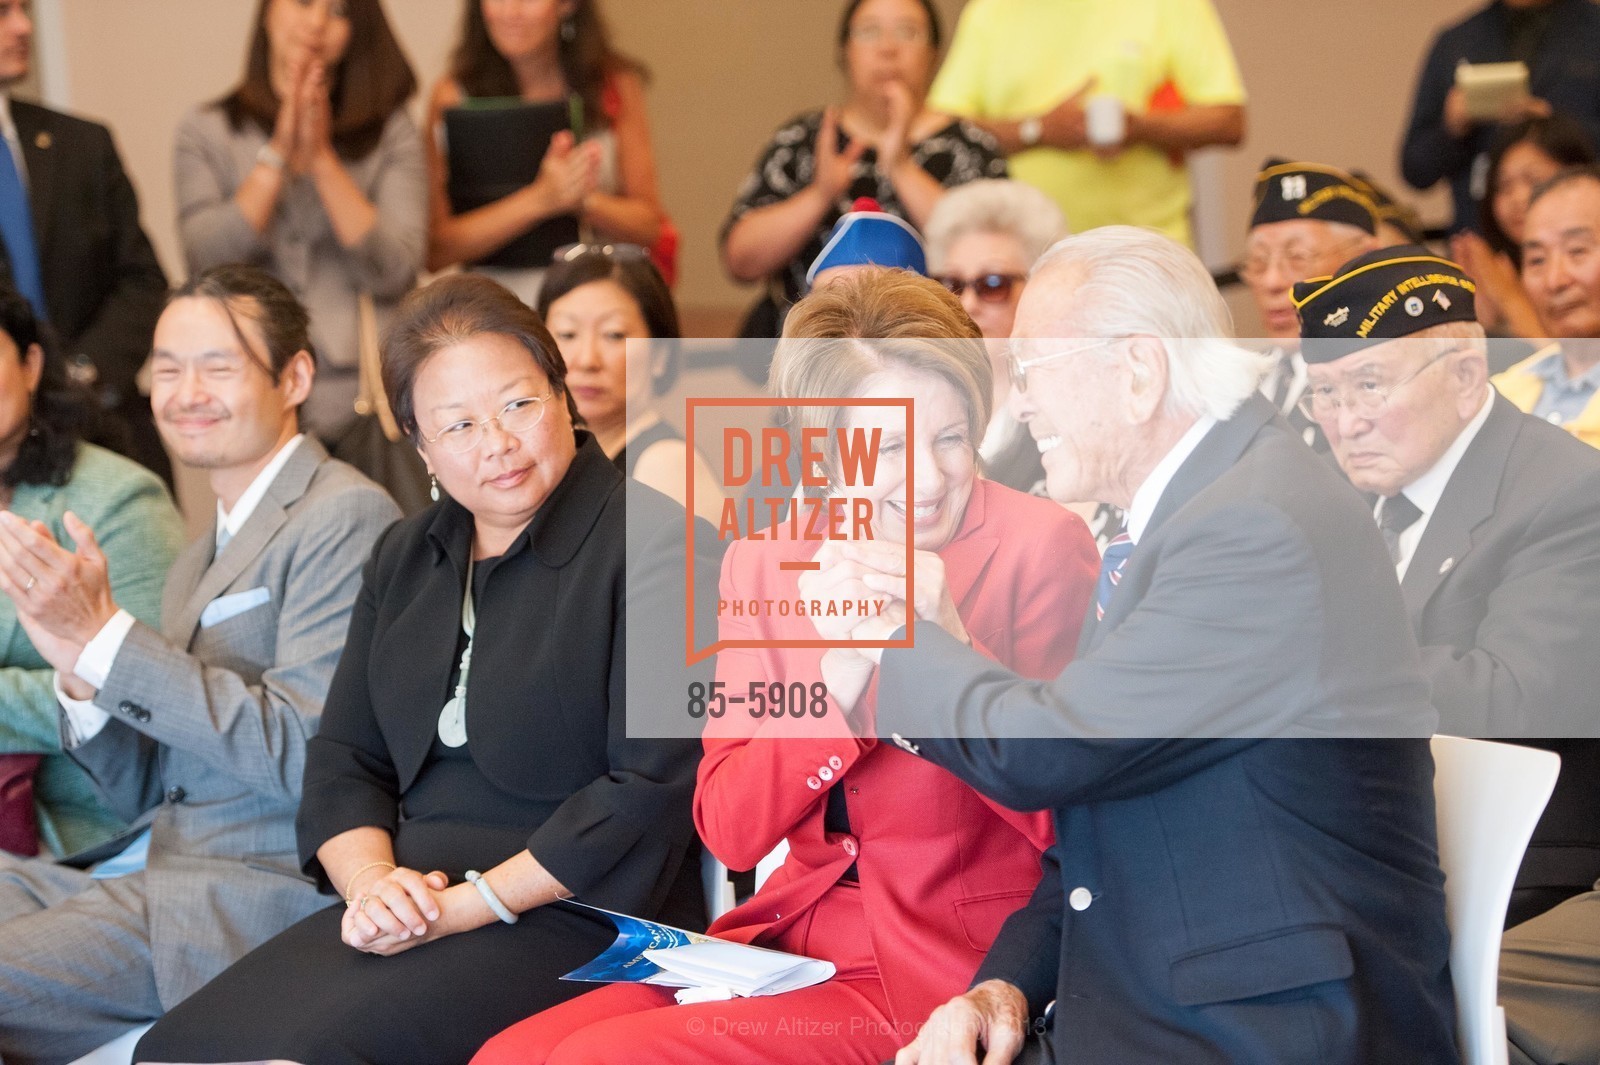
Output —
<point x="433" y="487"/>
<point x="569" y="30"/>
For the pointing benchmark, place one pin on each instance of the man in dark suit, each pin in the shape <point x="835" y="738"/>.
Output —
<point x="1262" y="886"/>
<point x="1493" y="519"/>
<point x="75" y="245"/>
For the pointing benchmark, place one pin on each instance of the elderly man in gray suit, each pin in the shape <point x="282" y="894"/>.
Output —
<point x="197" y="733"/>
<point x="1492" y="518"/>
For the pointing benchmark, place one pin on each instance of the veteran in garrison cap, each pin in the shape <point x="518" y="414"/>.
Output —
<point x="1306" y="219"/>
<point x="1492" y="518"/>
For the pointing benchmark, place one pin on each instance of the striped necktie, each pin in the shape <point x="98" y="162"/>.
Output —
<point x="1111" y="563"/>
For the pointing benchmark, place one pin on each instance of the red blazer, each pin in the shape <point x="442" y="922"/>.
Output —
<point x="941" y="867"/>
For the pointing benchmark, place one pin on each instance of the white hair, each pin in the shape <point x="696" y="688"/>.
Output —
<point x="993" y="205"/>
<point x="1136" y="281"/>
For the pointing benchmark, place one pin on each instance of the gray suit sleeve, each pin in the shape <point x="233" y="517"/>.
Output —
<point x="254" y="732"/>
<point x="1531" y="670"/>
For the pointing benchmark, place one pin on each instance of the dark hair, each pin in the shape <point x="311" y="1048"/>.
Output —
<point x="250" y="292"/>
<point x="1559" y="136"/>
<point x="63" y="413"/>
<point x="371" y="82"/>
<point x="585" y="53"/>
<point x="639" y="278"/>
<point x="935" y="30"/>
<point x="453" y="310"/>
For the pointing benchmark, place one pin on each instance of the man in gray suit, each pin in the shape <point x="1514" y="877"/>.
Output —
<point x="1492" y="517"/>
<point x="196" y="734"/>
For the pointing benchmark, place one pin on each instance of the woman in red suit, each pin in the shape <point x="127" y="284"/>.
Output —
<point x="897" y="873"/>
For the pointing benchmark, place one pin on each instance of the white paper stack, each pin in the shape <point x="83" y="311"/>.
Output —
<point x="738" y="969"/>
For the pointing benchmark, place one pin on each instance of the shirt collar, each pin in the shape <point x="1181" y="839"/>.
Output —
<point x="8" y="126"/>
<point x="1553" y="368"/>
<point x="229" y="522"/>
<point x="1155" y="485"/>
<point x="1427" y="490"/>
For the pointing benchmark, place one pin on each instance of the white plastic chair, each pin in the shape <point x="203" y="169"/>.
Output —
<point x="117" y="1052"/>
<point x="719" y="887"/>
<point x="1488" y="797"/>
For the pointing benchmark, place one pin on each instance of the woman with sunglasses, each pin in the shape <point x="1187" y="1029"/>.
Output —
<point x="604" y="304"/>
<point x="883" y="143"/>
<point x="603" y="170"/>
<point x="982" y="240"/>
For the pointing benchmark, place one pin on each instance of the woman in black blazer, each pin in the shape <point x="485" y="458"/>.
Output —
<point x="535" y="783"/>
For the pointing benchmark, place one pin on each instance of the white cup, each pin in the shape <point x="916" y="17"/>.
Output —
<point x="1106" y="123"/>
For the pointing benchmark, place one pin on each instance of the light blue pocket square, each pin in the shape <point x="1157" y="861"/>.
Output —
<point x="224" y="607"/>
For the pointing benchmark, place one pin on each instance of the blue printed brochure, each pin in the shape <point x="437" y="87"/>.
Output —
<point x="648" y="952"/>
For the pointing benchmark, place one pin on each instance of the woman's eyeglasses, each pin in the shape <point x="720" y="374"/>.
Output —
<point x="990" y="288"/>
<point x="518" y="416"/>
<point x="618" y="252"/>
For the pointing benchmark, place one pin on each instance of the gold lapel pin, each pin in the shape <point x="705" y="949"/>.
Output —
<point x="42" y="140"/>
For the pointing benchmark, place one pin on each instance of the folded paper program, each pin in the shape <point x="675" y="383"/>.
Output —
<point x="648" y="952"/>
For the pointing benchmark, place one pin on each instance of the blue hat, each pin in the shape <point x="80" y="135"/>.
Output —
<point x="869" y="237"/>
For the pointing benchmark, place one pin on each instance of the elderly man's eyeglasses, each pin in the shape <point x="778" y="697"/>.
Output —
<point x="1018" y="368"/>
<point x="990" y="288"/>
<point x="1299" y="262"/>
<point x="1367" y="397"/>
<point x="518" y="416"/>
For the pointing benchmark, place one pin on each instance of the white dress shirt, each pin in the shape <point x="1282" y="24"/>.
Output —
<point x="84" y="719"/>
<point x="8" y="129"/>
<point x="1426" y="491"/>
<point x="1155" y="485"/>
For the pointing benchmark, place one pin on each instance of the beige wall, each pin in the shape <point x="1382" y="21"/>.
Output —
<point x="1330" y="82"/>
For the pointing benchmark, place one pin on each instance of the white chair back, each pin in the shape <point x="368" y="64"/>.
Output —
<point x="719" y="888"/>
<point x="1488" y="797"/>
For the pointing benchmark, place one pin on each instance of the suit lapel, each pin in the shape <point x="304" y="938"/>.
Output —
<point x="270" y="515"/>
<point x="1468" y="501"/>
<point x="1216" y="453"/>
<point x="39" y="153"/>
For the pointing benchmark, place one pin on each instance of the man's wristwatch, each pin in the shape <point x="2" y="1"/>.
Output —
<point x="1029" y="130"/>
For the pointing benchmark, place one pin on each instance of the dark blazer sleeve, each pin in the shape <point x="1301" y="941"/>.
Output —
<point x="612" y="840"/>
<point x="1202" y="654"/>
<point x="116" y="333"/>
<point x="350" y="780"/>
<point x="1429" y="153"/>
<point x="1027" y="952"/>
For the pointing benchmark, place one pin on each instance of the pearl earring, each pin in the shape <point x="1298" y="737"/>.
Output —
<point x="433" y="487"/>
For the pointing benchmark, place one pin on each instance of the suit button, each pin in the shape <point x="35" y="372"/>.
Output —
<point x="825" y="773"/>
<point x="835" y="762"/>
<point x="850" y="847"/>
<point x="176" y="794"/>
<point x="813" y="783"/>
<point x="140" y="714"/>
<point x="126" y="707"/>
<point x="1080" y="899"/>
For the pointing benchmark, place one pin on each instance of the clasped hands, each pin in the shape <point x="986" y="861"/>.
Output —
<point x="63" y="598"/>
<point x="390" y="913"/>
<point x="303" y="133"/>
<point x="870" y="571"/>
